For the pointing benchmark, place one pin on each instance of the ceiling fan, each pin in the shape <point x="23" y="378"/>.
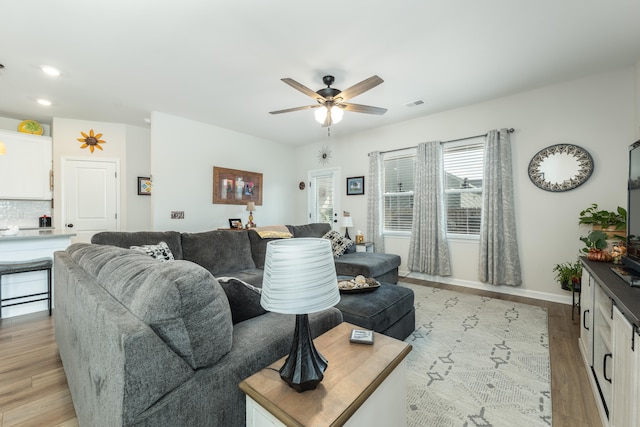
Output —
<point x="333" y="100"/>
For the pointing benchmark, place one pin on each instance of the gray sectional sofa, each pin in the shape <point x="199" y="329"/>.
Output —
<point x="147" y="343"/>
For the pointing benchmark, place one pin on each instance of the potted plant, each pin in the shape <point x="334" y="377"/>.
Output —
<point x="614" y="223"/>
<point x="569" y="275"/>
<point x="596" y="245"/>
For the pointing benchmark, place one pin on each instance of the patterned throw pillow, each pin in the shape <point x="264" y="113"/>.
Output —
<point x="160" y="251"/>
<point x="339" y="243"/>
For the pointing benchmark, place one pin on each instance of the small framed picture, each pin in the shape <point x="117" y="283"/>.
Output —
<point x="355" y="185"/>
<point x="144" y="186"/>
<point x="235" y="223"/>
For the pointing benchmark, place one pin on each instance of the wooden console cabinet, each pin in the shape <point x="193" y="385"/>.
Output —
<point x="609" y="342"/>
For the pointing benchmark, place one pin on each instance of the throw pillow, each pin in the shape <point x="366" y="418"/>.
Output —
<point x="160" y="251"/>
<point x="339" y="243"/>
<point x="244" y="299"/>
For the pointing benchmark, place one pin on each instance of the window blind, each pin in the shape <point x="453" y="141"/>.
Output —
<point x="398" y="193"/>
<point x="463" y="166"/>
<point x="324" y="198"/>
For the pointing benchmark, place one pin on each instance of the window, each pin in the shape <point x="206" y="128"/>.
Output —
<point x="463" y="169"/>
<point x="398" y="193"/>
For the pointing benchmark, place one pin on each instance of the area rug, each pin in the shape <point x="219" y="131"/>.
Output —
<point x="477" y="361"/>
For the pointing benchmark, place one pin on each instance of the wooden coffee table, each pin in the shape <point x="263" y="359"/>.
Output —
<point x="364" y="385"/>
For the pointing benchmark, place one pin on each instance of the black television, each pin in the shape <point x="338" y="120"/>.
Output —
<point x="631" y="259"/>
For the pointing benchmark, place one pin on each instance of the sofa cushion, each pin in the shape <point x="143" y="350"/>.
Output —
<point x="160" y="251"/>
<point x="126" y="239"/>
<point x="369" y="264"/>
<point x="244" y="298"/>
<point x="258" y="247"/>
<point x="219" y="251"/>
<point x="339" y="243"/>
<point x="180" y="300"/>
<point x="317" y="229"/>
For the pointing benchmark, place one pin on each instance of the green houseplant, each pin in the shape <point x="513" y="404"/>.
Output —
<point x="595" y="245"/>
<point x="568" y="274"/>
<point x="614" y="223"/>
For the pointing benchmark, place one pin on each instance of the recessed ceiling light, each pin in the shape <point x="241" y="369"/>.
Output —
<point x="44" y="102"/>
<point x="47" y="69"/>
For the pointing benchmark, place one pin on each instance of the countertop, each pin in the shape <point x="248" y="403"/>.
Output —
<point x="625" y="297"/>
<point x="36" y="233"/>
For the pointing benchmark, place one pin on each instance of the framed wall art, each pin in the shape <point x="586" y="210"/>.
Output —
<point x="355" y="185"/>
<point x="144" y="186"/>
<point x="236" y="187"/>
<point x="235" y="223"/>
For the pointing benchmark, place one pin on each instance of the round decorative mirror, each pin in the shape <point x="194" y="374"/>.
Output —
<point x="560" y="167"/>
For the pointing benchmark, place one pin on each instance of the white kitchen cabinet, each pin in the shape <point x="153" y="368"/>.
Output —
<point x="625" y="387"/>
<point x="586" y="317"/>
<point x="25" y="169"/>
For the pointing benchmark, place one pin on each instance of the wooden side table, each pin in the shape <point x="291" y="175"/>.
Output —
<point x="364" y="385"/>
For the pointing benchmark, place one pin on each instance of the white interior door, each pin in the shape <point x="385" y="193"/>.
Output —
<point x="324" y="197"/>
<point x="90" y="197"/>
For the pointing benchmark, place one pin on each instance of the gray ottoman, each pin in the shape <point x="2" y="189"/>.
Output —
<point x="388" y="310"/>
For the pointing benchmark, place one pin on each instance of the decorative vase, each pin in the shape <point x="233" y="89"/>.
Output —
<point x="598" y="255"/>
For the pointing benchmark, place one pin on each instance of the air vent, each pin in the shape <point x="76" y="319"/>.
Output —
<point x="414" y="103"/>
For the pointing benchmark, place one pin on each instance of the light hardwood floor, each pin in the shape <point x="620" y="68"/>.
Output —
<point x="34" y="391"/>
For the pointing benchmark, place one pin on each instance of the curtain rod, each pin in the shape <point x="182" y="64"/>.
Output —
<point x="510" y="130"/>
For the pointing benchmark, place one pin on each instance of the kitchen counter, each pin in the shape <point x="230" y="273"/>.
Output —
<point x="36" y="233"/>
<point x="26" y="245"/>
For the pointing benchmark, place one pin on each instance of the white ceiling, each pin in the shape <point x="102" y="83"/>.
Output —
<point x="220" y="61"/>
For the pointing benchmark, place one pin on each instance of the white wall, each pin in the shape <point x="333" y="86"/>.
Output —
<point x="137" y="209"/>
<point x="127" y="144"/>
<point x="183" y="154"/>
<point x="596" y="113"/>
<point x="637" y="99"/>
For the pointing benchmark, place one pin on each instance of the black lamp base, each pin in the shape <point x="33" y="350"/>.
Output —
<point x="346" y="233"/>
<point x="305" y="366"/>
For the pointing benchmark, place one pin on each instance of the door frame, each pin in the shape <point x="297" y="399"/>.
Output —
<point x="63" y="197"/>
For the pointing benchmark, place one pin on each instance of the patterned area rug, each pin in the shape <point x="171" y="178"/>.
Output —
<point x="477" y="361"/>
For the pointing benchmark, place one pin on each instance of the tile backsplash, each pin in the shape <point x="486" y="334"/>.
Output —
<point x="23" y="213"/>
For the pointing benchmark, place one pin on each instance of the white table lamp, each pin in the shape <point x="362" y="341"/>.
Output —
<point x="300" y="278"/>
<point x="347" y="222"/>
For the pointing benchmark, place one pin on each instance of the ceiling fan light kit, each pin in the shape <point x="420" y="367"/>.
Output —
<point x="334" y="100"/>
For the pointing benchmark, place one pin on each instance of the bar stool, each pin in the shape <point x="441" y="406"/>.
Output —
<point x="14" y="267"/>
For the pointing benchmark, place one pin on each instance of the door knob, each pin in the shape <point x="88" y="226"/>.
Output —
<point x="69" y="225"/>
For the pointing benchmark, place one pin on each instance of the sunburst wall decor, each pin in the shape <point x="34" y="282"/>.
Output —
<point x="92" y="140"/>
<point x="324" y="155"/>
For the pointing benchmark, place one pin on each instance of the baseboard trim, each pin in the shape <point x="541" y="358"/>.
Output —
<point x="507" y="290"/>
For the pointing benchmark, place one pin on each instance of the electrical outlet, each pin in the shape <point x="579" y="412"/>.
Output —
<point x="177" y="214"/>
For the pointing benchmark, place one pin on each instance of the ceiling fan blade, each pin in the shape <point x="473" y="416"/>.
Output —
<point x="288" y="110"/>
<point x="302" y="88"/>
<point x="358" y="108"/>
<point x="359" y="88"/>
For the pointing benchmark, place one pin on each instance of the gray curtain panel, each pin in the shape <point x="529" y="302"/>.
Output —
<point x="499" y="262"/>
<point x="375" y="217"/>
<point x="428" y="247"/>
